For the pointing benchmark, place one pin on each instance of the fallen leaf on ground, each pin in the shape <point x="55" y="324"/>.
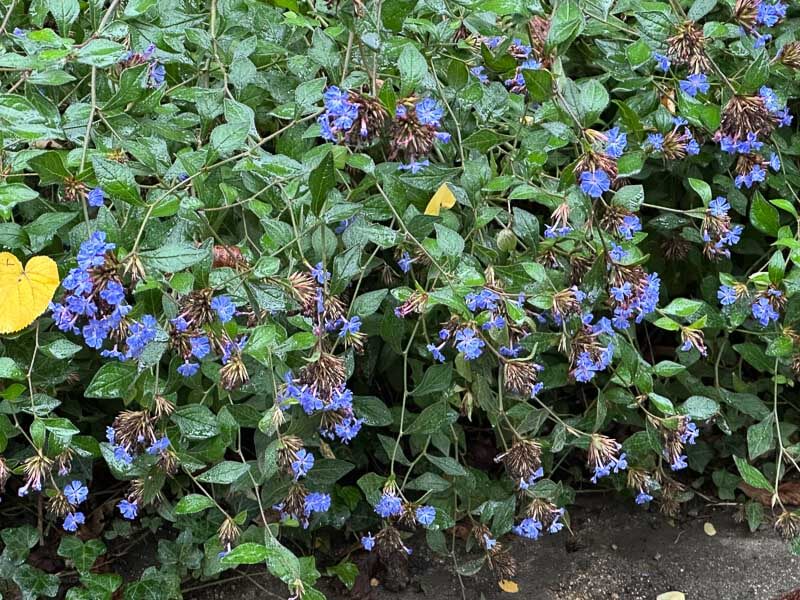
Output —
<point x="508" y="586"/>
<point x="709" y="529"/>
<point x="671" y="596"/>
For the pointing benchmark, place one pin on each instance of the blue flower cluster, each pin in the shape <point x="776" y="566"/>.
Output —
<point x="531" y="528"/>
<point x="763" y="308"/>
<point x="342" y="422"/>
<point x="761" y="13"/>
<point x="717" y="231"/>
<point x="418" y="124"/>
<point x="391" y="505"/>
<point x="340" y="114"/>
<point x="95" y="306"/>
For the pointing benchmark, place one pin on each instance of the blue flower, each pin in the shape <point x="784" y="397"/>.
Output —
<point x="655" y="141"/>
<point x="726" y="295"/>
<point x="113" y="293"/>
<point x="140" y="333"/>
<point x="317" y="502"/>
<point x="350" y="327"/>
<point x="769" y="14"/>
<point x="309" y="401"/>
<point x="617" y="253"/>
<point x="76" y="492"/>
<point x="528" y="528"/>
<point x="643" y="498"/>
<point x="224" y="308"/>
<point x="128" y="509"/>
<point x="389" y="506"/>
<point x="629" y="226"/>
<point x="73" y="520"/>
<point x="763" y="312"/>
<point x="436" y="352"/>
<point x="479" y="73"/>
<point x="415" y="166"/>
<point x="94" y="333"/>
<point x="405" y="262"/>
<point x="616" y="142"/>
<point x="662" y="62"/>
<point x="368" y="542"/>
<point x="775" y="162"/>
<point x="122" y="455"/>
<point x="96" y="197"/>
<point x="157" y="74"/>
<point x="200" y="346"/>
<point x="483" y="300"/>
<point x="187" y="369"/>
<point x="348" y="429"/>
<point x="594" y="183"/>
<point x="719" y="207"/>
<point x="429" y="112"/>
<point x="696" y="83"/>
<point x="426" y="515"/>
<point x="92" y="252"/>
<point x="302" y="464"/>
<point x="467" y="343"/>
<point x="159" y="446"/>
<point x="679" y="463"/>
<point x="770" y="98"/>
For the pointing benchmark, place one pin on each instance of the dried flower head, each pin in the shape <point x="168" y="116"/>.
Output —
<point x="788" y="525"/>
<point x="688" y="47"/>
<point x="745" y="115"/>
<point x="522" y="460"/>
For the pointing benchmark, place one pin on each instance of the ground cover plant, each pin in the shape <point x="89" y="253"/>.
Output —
<point x="285" y="282"/>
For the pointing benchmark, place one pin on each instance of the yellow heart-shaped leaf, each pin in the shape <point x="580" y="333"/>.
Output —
<point x="443" y="198"/>
<point x="25" y="293"/>
<point x="508" y="586"/>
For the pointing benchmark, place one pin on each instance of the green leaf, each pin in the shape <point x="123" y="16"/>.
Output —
<point x="751" y="475"/>
<point x="432" y="419"/>
<point x="539" y="84"/>
<point x="372" y="410"/>
<point x="193" y="503"/>
<point x="683" y="307"/>
<point x="437" y="378"/>
<point x="60" y="426"/>
<point x="174" y="257"/>
<point x="412" y="66"/>
<point x="700" y="8"/>
<point x="566" y="24"/>
<point x="450" y="243"/>
<point x="117" y="180"/>
<point x="764" y="216"/>
<point x="246" y="554"/>
<point x="10" y="370"/>
<point x="112" y="380"/>
<point x="394" y="13"/>
<point x="12" y="194"/>
<point x="229" y="137"/>
<point x="449" y="465"/>
<point x="42" y="231"/>
<point x="224" y="473"/>
<point x="321" y="181"/>
<point x="82" y="554"/>
<point x="196" y="422"/>
<point x="368" y="303"/>
<point x="629" y="197"/>
<point x="101" y="52"/>
<point x="700" y="407"/>
<point x="760" y="437"/>
<point x="328" y="471"/>
<point x="667" y="368"/>
<point x="702" y="188"/>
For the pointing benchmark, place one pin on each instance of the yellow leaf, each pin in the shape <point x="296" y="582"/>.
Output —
<point x="443" y="198"/>
<point x="25" y="293"/>
<point x="508" y="586"/>
<point x="709" y="529"/>
<point x="671" y="596"/>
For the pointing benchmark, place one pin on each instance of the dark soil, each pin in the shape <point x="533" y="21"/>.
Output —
<point x="617" y="551"/>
